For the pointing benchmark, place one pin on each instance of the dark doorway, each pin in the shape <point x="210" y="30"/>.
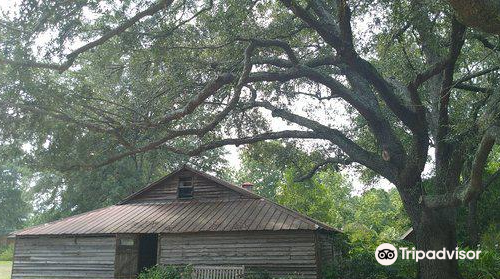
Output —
<point x="148" y="251"/>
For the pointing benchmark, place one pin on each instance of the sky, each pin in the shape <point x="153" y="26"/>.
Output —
<point x="301" y="107"/>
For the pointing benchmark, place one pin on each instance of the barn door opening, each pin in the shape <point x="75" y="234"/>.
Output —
<point x="126" y="256"/>
<point x="148" y="251"/>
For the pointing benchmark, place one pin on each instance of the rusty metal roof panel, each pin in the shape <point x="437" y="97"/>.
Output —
<point x="180" y="217"/>
<point x="249" y="212"/>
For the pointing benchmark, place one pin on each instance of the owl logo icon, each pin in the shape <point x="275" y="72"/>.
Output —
<point x="386" y="254"/>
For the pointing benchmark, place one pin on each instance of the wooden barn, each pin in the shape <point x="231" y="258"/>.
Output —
<point x="187" y="217"/>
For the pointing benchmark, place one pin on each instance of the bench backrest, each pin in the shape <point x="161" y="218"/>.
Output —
<point x="218" y="272"/>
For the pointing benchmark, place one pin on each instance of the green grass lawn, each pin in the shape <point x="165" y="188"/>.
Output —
<point x="5" y="270"/>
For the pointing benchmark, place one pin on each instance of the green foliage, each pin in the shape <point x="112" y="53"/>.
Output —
<point x="358" y="261"/>
<point x="7" y="253"/>
<point x="258" y="274"/>
<point x="13" y="206"/>
<point x="486" y="267"/>
<point x="380" y="214"/>
<point x="490" y="239"/>
<point x="376" y="216"/>
<point x="59" y="194"/>
<point x="262" y="164"/>
<point x="167" y="272"/>
<point x="488" y="215"/>
<point x="274" y="168"/>
<point x="362" y="264"/>
<point x="325" y="197"/>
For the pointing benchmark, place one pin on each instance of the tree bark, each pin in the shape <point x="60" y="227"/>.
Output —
<point x="482" y="14"/>
<point x="473" y="233"/>
<point x="435" y="231"/>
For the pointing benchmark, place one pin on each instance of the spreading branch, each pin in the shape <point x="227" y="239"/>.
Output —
<point x="209" y="90"/>
<point x="477" y="74"/>
<point x="349" y="147"/>
<point x="318" y="166"/>
<point x="70" y="58"/>
<point x="443" y="148"/>
<point x="464" y="194"/>
<point x="486" y="43"/>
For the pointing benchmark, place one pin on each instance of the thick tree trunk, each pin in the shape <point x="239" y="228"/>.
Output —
<point x="435" y="231"/>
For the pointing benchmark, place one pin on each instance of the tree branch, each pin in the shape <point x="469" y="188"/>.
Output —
<point x="477" y="74"/>
<point x="443" y="148"/>
<point x="472" y="88"/>
<point x="473" y="188"/>
<point x="352" y="149"/>
<point x="189" y="108"/>
<point x="480" y="14"/>
<point x="326" y="25"/>
<point x="160" y="144"/>
<point x="30" y="64"/>
<point x="209" y="90"/>
<point x="70" y="58"/>
<point x="427" y="74"/>
<point x="275" y="43"/>
<point x="318" y="166"/>
<point x="486" y="43"/>
<point x="287" y="134"/>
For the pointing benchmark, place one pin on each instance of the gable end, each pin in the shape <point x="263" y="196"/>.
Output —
<point x="205" y="188"/>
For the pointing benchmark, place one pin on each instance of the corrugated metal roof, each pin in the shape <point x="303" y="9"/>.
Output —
<point x="181" y="217"/>
<point x="251" y="212"/>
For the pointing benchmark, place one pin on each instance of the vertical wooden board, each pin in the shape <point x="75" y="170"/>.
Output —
<point x="328" y="253"/>
<point x="127" y="256"/>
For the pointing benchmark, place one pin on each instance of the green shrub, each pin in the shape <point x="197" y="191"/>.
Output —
<point x="359" y="262"/>
<point x="491" y="237"/>
<point x="7" y="253"/>
<point x="486" y="267"/>
<point x="258" y="274"/>
<point x="167" y="272"/>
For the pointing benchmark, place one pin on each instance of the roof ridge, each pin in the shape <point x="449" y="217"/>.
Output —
<point x="222" y="182"/>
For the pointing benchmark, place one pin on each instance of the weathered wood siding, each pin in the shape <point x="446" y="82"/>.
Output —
<point x="279" y="253"/>
<point x="328" y="254"/>
<point x="204" y="189"/>
<point x="64" y="257"/>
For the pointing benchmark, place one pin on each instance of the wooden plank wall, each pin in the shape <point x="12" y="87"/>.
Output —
<point x="280" y="253"/>
<point x="328" y="254"/>
<point x="64" y="257"/>
<point x="204" y="189"/>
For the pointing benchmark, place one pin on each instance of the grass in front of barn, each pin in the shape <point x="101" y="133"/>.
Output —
<point x="5" y="268"/>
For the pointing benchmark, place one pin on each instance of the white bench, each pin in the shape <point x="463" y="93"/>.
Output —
<point x="218" y="272"/>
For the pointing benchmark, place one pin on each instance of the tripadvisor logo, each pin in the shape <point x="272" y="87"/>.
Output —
<point x="387" y="254"/>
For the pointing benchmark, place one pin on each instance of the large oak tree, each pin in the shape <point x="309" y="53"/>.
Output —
<point x="191" y="76"/>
